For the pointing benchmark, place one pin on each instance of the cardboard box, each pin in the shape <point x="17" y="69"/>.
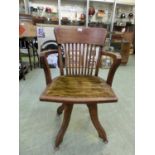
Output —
<point x="27" y="29"/>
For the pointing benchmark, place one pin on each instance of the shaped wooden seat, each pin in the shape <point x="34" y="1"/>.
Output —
<point x="66" y="89"/>
<point x="78" y="82"/>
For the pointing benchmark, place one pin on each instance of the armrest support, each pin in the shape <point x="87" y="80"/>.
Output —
<point x="43" y="61"/>
<point x="116" y="62"/>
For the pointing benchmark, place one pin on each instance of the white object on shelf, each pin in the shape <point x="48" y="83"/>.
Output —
<point x="105" y="1"/>
<point x="126" y="2"/>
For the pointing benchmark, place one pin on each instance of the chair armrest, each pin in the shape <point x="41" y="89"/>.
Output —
<point x="116" y="62"/>
<point x="43" y="61"/>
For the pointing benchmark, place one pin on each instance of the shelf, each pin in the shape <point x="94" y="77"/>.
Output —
<point x="107" y="8"/>
<point x="72" y="10"/>
<point x="44" y="11"/>
<point x="126" y="2"/>
<point x="103" y="1"/>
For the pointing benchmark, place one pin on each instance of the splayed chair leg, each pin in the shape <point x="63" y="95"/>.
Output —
<point x="94" y="117"/>
<point x="67" y="114"/>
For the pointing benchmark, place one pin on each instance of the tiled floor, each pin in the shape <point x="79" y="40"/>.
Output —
<point x="39" y="123"/>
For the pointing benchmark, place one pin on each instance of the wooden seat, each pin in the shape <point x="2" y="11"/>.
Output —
<point x="78" y="82"/>
<point x="66" y="88"/>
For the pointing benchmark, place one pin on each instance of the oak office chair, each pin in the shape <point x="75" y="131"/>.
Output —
<point x="78" y="82"/>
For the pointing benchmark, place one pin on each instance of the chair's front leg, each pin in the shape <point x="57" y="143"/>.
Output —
<point x="67" y="114"/>
<point x="94" y="117"/>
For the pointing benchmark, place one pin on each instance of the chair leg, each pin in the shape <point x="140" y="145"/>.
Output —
<point x="60" y="109"/>
<point x="65" y="123"/>
<point x="94" y="117"/>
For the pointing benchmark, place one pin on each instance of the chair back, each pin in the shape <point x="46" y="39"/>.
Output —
<point x="82" y="49"/>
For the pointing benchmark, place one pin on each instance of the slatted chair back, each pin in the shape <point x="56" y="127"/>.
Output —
<point x="82" y="49"/>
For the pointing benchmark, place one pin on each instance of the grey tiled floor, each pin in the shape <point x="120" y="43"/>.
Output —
<point x="39" y="123"/>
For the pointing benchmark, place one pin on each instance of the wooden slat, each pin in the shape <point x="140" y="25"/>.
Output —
<point x="83" y="56"/>
<point x="98" y="61"/>
<point x="66" y="58"/>
<point x="79" y="59"/>
<point x="86" y="59"/>
<point x="92" y="65"/>
<point x="69" y="55"/>
<point x="89" y="59"/>
<point x="60" y="60"/>
<point x="72" y="59"/>
<point x="76" y="59"/>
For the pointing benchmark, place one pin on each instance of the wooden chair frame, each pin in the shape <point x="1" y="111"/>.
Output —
<point x="68" y="106"/>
